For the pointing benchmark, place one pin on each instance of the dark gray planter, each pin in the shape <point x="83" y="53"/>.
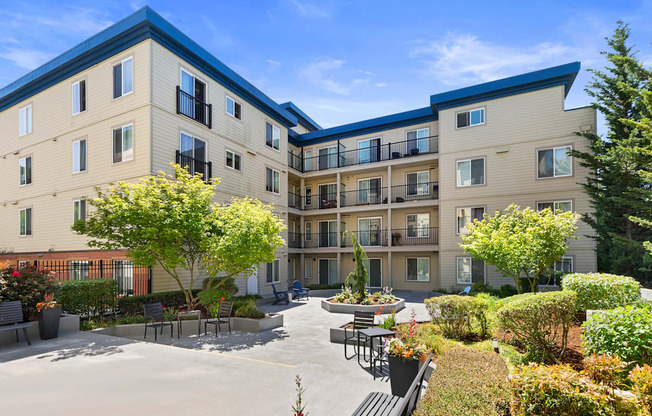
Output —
<point x="402" y="374"/>
<point x="48" y="322"/>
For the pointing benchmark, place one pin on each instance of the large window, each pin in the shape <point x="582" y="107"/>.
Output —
<point x="470" y="118"/>
<point x="369" y="150"/>
<point x="79" y="269"/>
<point x="554" y="163"/>
<point x="25" y="222"/>
<point x="470" y="270"/>
<point x="273" y="274"/>
<point x="418" y="225"/>
<point x="79" y="97"/>
<point x="272" y="136"/>
<point x="25" y="170"/>
<point x="123" y="78"/>
<point x="417" y="141"/>
<point x="307" y="160"/>
<point x="307" y="268"/>
<point x="308" y="227"/>
<point x="369" y="191"/>
<point x="123" y="143"/>
<point x="417" y="183"/>
<point x="79" y="156"/>
<point x="556" y="206"/>
<point x="25" y="120"/>
<point x="233" y="161"/>
<point x="564" y="265"/>
<point x="466" y="216"/>
<point x="78" y="210"/>
<point x="470" y="172"/>
<point x="418" y="269"/>
<point x="272" y="181"/>
<point x="561" y="266"/>
<point x="308" y="196"/>
<point x="233" y="108"/>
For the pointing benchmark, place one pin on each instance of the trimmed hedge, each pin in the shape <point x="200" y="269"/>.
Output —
<point x="467" y="382"/>
<point x="601" y="290"/>
<point x="133" y="305"/>
<point x="459" y="317"/>
<point x="88" y="298"/>
<point x="212" y="296"/>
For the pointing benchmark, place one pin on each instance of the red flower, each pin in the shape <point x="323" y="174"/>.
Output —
<point x="222" y="299"/>
<point x="381" y="308"/>
<point x="16" y="273"/>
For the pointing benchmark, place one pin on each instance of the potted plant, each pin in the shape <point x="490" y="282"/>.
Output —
<point x="404" y="356"/>
<point x="48" y="314"/>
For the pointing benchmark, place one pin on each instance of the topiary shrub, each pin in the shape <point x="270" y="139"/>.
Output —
<point x="540" y="322"/>
<point x="459" y="317"/>
<point x="222" y="283"/>
<point x="466" y="382"/>
<point x="601" y="290"/>
<point x="88" y="298"/>
<point x="133" y="305"/>
<point x="509" y="299"/>
<point x="625" y="332"/>
<point x="28" y="284"/>
<point x="212" y="296"/>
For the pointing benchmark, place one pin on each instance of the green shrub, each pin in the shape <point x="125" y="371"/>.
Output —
<point x="28" y="284"/>
<point x="321" y="287"/>
<point x="506" y="291"/>
<point x="133" y="305"/>
<point x="466" y="382"/>
<point x="608" y="370"/>
<point x="212" y="296"/>
<point x="88" y="298"/>
<point x="430" y="336"/>
<point x="246" y="308"/>
<point x="480" y="287"/>
<point x="641" y="379"/>
<point x="540" y="322"/>
<point x="222" y="283"/>
<point x="625" y="332"/>
<point x="509" y="299"/>
<point x="459" y="317"/>
<point x="602" y="291"/>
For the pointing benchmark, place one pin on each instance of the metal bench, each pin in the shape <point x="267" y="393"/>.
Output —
<point x="383" y="404"/>
<point x="11" y="318"/>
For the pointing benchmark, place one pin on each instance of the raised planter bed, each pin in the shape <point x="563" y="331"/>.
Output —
<point x="333" y="307"/>
<point x="68" y="324"/>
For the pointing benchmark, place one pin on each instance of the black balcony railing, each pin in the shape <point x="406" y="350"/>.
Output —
<point x="294" y="200"/>
<point x="195" y="166"/>
<point x="337" y="157"/>
<point x="415" y="192"/>
<point x="361" y="197"/>
<point x="371" y="238"/>
<point x="322" y="240"/>
<point x="294" y="240"/>
<point x="415" y="236"/>
<point x="194" y="108"/>
<point x="324" y="200"/>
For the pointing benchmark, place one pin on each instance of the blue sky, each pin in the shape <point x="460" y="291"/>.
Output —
<point x="345" y="61"/>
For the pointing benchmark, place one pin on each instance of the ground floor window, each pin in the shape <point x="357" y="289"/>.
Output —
<point x="79" y="269"/>
<point x="418" y="269"/>
<point x="561" y="266"/>
<point x="308" y="269"/>
<point x="375" y="271"/>
<point x="470" y="270"/>
<point x="273" y="274"/>
<point x="327" y="271"/>
<point x="123" y="273"/>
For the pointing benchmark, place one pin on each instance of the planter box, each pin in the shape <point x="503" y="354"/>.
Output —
<point x="67" y="324"/>
<point x="346" y="308"/>
<point x="257" y="325"/>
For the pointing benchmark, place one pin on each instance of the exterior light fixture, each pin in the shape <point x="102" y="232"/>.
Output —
<point x="496" y="349"/>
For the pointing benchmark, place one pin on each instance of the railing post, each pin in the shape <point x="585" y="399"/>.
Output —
<point x="338" y="153"/>
<point x="210" y="171"/>
<point x="178" y="157"/>
<point x="178" y="99"/>
<point x="101" y="269"/>
<point x="210" y="116"/>
<point x="149" y="280"/>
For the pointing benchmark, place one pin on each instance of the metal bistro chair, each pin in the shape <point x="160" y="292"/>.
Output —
<point x="361" y="320"/>
<point x="223" y="317"/>
<point x="154" y="313"/>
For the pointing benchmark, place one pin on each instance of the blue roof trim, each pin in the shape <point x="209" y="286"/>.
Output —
<point x="142" y="24"/>
<point x="303" y="117"/>
<point x="393" y="121"/>
<point x="545" y="78"/>
<point x="294" y="138"/>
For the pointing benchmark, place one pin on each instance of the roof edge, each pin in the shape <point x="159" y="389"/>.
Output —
<point x="303" y="117"/>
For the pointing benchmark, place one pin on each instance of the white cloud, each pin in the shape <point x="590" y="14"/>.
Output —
<point x="25" y="58"/>
<point x="324" y="72"/>
<point x="309" y="9"/>
<point x="273" y="65"/>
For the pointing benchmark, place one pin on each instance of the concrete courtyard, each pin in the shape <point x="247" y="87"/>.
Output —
<point x="241" y="373"/>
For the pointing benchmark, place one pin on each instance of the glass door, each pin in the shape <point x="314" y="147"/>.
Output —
<point x="369" y="231"/>
<point x="328" y="196"/>
<point x="328" y="157"/>
<point x="328" y="233"/>
<point x="369" y="191"/>
<point x="327" y="271"/>
<point x="417" y="183"/>
<point x="374" y="269"/>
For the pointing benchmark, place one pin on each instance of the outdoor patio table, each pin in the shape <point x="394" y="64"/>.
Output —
<point x="184" y="315"/>
<point x="372" y="333"/>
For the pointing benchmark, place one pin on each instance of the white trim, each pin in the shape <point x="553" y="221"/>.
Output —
<point x="226" y="152"/>
<point x="122" y="77"/>
<point x="274" y="126"/>
<point x="307" y="275"/>
<point x="554" y="176"/>
<point x="73" y="155"/>
<point x="417" y="277"/>
<point x="305" y="230"/>
<point x="31" y="222"/>
<point x="484" y="117"/>
<point x="226" y="109"/>
<point x="277" y="259"/>
<point x="75" y="201"/>
<point x="133" y="143"/>
<point x="416" y="130"/>
<point x="272" y="184"/>
<point x="19" y="173"/>
<point x="29" y="116"/>
<point x="484" y="171"/>
<point x="457" y="270"/>
<point x="554" y="208"/>
<point x="327" y="157"/>
<point x="407" y="228"/>
<point x="78" y="83"/>
<point x="457" y="210"/>
<point x="337" y="238"/>
<point x="381" y="270"/>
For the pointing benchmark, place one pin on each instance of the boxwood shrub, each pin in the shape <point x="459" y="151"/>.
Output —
<point x="88" y="298"/>
<point x="601" y="290"/>
<point x="459" y="317"/>
<point x="467" y="382"/>
<point x="133" y="305"/>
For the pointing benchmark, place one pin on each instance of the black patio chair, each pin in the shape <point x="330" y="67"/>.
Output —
<point x="361" y="320"/>
<point x="223" y="317"/>
<point x="280" y="296"/>
<point x="154" y="313"/>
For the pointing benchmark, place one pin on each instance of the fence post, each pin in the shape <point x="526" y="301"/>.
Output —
<point x="149" y="280"/>
<point x="101" y="269"/>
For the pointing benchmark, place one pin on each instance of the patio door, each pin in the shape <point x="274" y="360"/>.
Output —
<point x="291" y="266"/>
<point x="327" y="271"/>
<point x="328" y="196"/>
<point x="328" y="157"/>
<point x="252" y="283"/>
<point x="369" y="191"/>
<point x="328" y="233"/>
<point x="369" y="231"/>
<point x="369" y="150"/>
<point x="374" y="269"/>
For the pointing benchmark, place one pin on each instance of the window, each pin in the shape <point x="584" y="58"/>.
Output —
<point x="123" y="144"/>
<point x="22" y="264"/>
<point x="470" y="118"/>
<point x="25" y="170"/>
<point x="79" y="156"/>
<point x="466" y="216"/>
<point x="234" y="108"/>
<point x="417" y="141"/>
<point x="327" y="233"/>
<point x="418" y="225"/>
<point x="418" y="269"/>
<point x="307" y="160"/>
<point x="25" y="120"/>
<point x="369" y="150"/>
<point x="79" y="97"/>
<point x="561" y="266"/>
<point x="25" y="222"/>
<point x="308" y="226"/>
<point x="273" y="274"/>
<point x="79" y="269"/>
<point x="233" y="161"/>
<point x="78" y="210"/>
<point x="553" y="163"/>
<point x="556" y="206"/>
<point x="470" y="270"/>
<point x="123" y="78"/>
<point x="417" y="183"/>
<point x="369" y="191"/>
<point x="470" y="172"/>
<point x="123" y="273"/>
<point x="308" y="196"/>
<point x="308" y="268"/>
<point x="564" y="265"/>
<point x="272" y="136"/>
<point x="272" y="179"/>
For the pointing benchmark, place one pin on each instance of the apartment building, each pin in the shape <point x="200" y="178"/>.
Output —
<point x="140" y="94"/>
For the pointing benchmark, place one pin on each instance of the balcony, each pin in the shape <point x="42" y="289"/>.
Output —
<point x="294" y="201"/>
<point x="294" y="240"/>
<point x="415" y="236"/>
<point x="195" y="166"/>
<point x="194" y="108"/>
<point x="415" y="192"/>
<point x="363" y="197"/>
<point x="338" y="156"/>
<point x="376" y="238"/>
<point x="325" y="200"/>
<point x="322" y="240"/>
<point x="367" y="238"/>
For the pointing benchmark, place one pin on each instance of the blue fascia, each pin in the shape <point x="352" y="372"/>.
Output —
<point x="393" y="121"/>
<point x="294" y="138"/>
<point x="532" y="81"/>
<point x="303" y="117"/>
<point x="143" y="24"/>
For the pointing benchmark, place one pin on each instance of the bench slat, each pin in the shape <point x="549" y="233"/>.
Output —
<point x="377" y="404"/>
<point x="15" y="326"/>
<point x="11" y="312"/>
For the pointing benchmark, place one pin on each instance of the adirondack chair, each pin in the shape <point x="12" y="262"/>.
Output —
<point x="223" y="317"/>
<point x="465" y="292"/>
<point x="361" y="320"/>
<point x="280" y="296"/>
<point x="154" y="313"/>
<point x="11" y="318"/>
<point x="298" y="291"/>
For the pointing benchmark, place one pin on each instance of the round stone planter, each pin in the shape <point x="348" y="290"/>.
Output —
<point x="347" y="308"/>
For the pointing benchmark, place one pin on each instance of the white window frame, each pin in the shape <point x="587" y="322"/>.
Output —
<point x="407" y="260"/>
<point x="31" y="222"/>
<point x="572" y="264"/>
<point x="328" y="157"/>
<point x="234" y="114"/>
<point x="234" y="154"/>
<point x="79" y="273"/>
<point x="122" y="77"/>
<point x="419" y="232"/>
<point x="22" y="263"/>
<point x="77" y="155"/>
<point x="275" y="129"/>
<point x="307" y="268"/>
<point x="306" y="188"/>
<point x="554" y="149"/>
<point x="470" y="160"/>
<point x="307" y="235"/>
<point x="457" y="270"/>
<point x="416" y="139"/>
<point x="380" y="188"/>
<point x="457" y="216"/>
<point x="427" y="183"/>
<point x="78" y="99"/>
<point x="21" y="161"/>
<point x="554" y="204"/>
<point x="275" y="279"/>
<point x="25" y="116"/>
<point x="329" y="232"/>
<point x="380" y="229"/>
<point x="359" y="149"/>
<point x="274" y="171"/>
<point x="484" y="117"/>
<point x="79" y="202"/>
<point x="133" y="143"/>
<point x="307" y="158"/>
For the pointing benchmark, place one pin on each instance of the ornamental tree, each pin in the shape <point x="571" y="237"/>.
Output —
<point x="171" y="221"/>
<point x="359" y="277"/>
<point x="521" y="243"/>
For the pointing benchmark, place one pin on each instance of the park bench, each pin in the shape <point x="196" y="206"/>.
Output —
<point x="11" y="318"/>
<point x="383" y="404"/>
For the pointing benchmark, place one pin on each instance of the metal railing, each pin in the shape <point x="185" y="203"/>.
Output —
<point x="325" y="200"/>
<point x="415" y="236"/>
<point x="322" y="240"/>
<point x="295" y="200"/>
<point x="195" y="166"/>
<point x="373" y="238"/>
<point x="294" y="240"/>
<point x="194" y="108"/>
<point x="295" y="162"/>
<point x="362" y="197"/>
<point x="415" y="192"/>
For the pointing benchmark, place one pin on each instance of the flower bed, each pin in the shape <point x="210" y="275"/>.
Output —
<point x="334" y="307"/>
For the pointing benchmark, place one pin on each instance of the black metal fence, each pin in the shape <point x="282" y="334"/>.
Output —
<point x="415" y="192"/>
<point x="294" y="200"/>
<point x="195" y="166"/>
<point x="360" y="197"/>
<point x="415" y="236"/>
<point x="294" y="240"/>
<point x="321" y="200"/>
<point x="194" y="108"/>
<point x="367" y="238"/>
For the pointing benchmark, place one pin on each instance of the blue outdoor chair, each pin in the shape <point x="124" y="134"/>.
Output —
<point x="280" y="296"/>
<point x="465" y="292"/>
<point x="298" y="291"/>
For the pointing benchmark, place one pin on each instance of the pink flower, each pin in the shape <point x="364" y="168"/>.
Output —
<point x="16" y="273"/>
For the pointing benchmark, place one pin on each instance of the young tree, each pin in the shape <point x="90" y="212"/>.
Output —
<point x="521" y="243"/>
<point x="359" y="277"/>
<point x="171" y="221"/>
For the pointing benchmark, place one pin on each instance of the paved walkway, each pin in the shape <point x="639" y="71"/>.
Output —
<point x="236" y="374"/>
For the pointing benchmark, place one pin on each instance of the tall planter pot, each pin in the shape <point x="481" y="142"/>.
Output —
<point x="48" y="322"/>
<point x="402" y="374"/>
